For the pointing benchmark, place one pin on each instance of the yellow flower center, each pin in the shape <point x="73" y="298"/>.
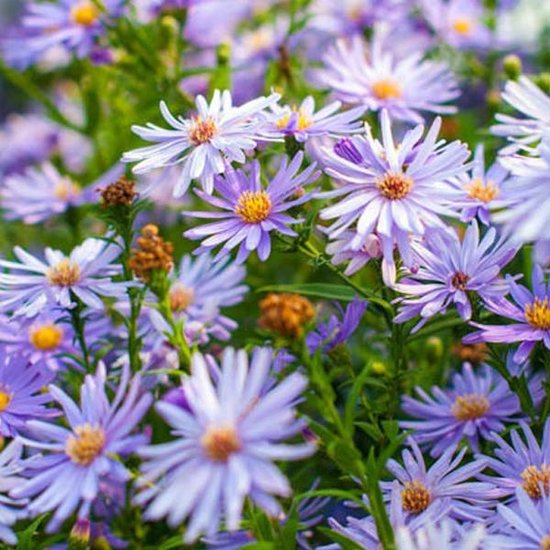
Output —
<point x="394" y="186"/>
<point x="46" y="337"/>
<point x="470" y="406"/>
<point x="545" y="543"/>
<point x="5" y="397"/>
<point x="180" y="297"/>
<point x="253" y="206"/>
<point x="482" y="191"/>
<point x="459" y="280"/>
<point x="386" y="88"/>
<point x="84" y="447"/>
<point x="84" y="13"/>
<point x="220" y="443"/>
<point x="201" y="130"/>
<point x="462" y="25"/>
<point x="64" y="273"/>
<point x="304" y="120"/>
<point x="65" y="189"/>
<point x="535" y="479"/>
<point x="415" y="497"/>
<point x="538" y="314"/>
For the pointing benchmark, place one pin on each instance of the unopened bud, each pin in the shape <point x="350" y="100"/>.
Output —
<point x="434" y="349"/>
<point x="378" y="367"/>
<point x="79" y="537"/>
<point x="512" y="66"/>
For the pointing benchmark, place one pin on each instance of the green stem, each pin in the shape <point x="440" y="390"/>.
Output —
<point x="177" y="337"/>
<point x="20" y="80"/>
<point x="78" y="323"/>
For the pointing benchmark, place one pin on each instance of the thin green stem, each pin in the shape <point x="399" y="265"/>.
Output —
<point x="78" y="323"/>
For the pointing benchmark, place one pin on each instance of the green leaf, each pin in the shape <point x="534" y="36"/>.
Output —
<point x="173" y="542"/>
<point x="344" y="542"/>
<point x="25" y="537"/>
<point x="319" y="290"/>
<point x="260" y="546"/>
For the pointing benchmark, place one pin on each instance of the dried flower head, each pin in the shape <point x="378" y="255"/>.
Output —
<point x="120" y="193"/>
<point x="471" y="353"/>
<point x="153" y="253"/>
<point x="285" y="313"/>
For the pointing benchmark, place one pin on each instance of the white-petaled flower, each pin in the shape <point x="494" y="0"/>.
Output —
<point x="202" y="144"/>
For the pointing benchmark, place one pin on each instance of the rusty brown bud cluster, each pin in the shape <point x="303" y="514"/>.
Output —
<point x="120" y="193"/>
<point x="285" y="314"/>
<point x="152" y="254"/>
<point x="471" y="353"/>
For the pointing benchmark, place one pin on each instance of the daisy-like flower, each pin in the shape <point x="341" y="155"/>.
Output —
<point x="378" y="81"/>
<point x="445" y="481"/>
<point x="40" y="193"/>
<point x="304" y="123"/>
<point x="336" y="331"/>
<point x="531" y="311"/>
<point x="10" y="509"/>
<point x="79" y="457"/>
<point x="529" y="100"/>
<point x="363" y="531"/>
<point x="474" y="407"/>
<point x="396" y="190"/>
<point x="459" y="23"/>
<point x="525" y="219"/>
<point x="21" y="396"/>
<point x="523" y="464"/>
<point x="47" y="340"/>
<point x="448" y="269"/>
<point x="481" y="190"/>
<point x="445" y="535"/>
<point x="226" y="441"/>
<point x="341" y="251"/>
<point x="33" y="284"/>
<point x="252" y="212"/>
<point x="73" y="24"/>
<point x="219" y="132"/>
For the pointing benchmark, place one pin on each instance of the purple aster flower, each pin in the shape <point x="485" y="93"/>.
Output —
<point x="445" y="535"/>
<point x="459" y="23"/>
<point x="448" y="269"/>
<point x="252" y="212"/>
<point x="304" y="123"/>
<point x="363" y="530"/>
<point x="481" y="191"/>
<point x="445" y="481"/>
<point x="47" y="339"/>
<point x="201" y="144"/>
<point x="523" y="464"/>
<point x="225" y="445"/>
<point x="531" y="311"/>
<point x="34" y="284"/>
<point x="79" y="457"/>
<point x="341" y="251"/>
<point x="336" y="331"/>
<point x="21" y="396"/>
<point x="397" y="191"/>
<point x="531" y="101"/>
<point x="525" y="220"/>
<point x="73" y="24"/>
<point x="476" y="405"/>
<point x="10" y="509"/>
<point x="378" y="81"/>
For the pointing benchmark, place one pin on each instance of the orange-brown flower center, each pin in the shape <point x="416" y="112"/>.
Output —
<point x="394" y="186"/>
<point x="219" y="443"/>
<point x="545" y="543"/>
<point x="415" y="497"/>
<point x="459" y="280"/>
<point x="46" y="337"/>
<point x="180" y="297"/>
<point x="482" y="191"/>
<point x="202" y="130"/>
<point x="253" y="206"/>
<point x="470" y="406"/>
<point x="87" y="443"/>
<point x="386" y="88"/>
<point x="64" y="273"/>
<point x="538" y="314"/>
<point x="536" y="480"/>
<point x="85" y="13"/>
